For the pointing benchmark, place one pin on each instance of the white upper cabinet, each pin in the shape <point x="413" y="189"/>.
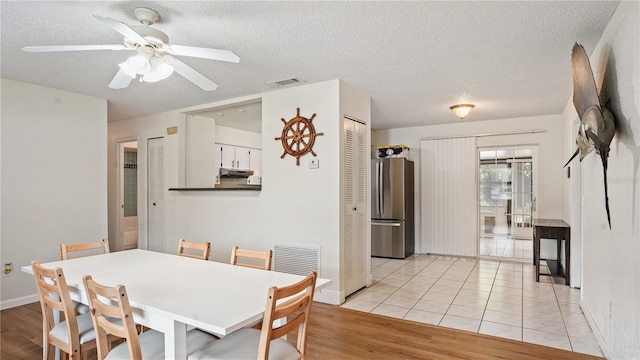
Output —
<point x="227" y="156"/>
<point x="255" y="161"/>
<point x="243" y="158"/>
<point x="239" y="157"/>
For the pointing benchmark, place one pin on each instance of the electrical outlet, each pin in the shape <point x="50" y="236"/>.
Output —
<point x="7" y="269"/>
<point x="314" y="163"/>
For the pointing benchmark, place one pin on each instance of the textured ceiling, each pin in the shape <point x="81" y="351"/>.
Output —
<point x="415" y="59"/>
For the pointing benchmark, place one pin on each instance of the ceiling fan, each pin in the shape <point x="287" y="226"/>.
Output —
<point x="154" y="59"/>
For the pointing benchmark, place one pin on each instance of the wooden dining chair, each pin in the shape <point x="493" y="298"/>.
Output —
<point x="264" y="256"/>
<point x="74" y="335"/>
<point x="250" y="343"/>
<point x="65" y="249"/>
<point x="194" y="249"/>
<point x="111" y="314"/>
<point x="84" y="249"/>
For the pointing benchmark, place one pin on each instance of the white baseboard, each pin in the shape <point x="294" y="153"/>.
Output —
<point x="330" y="297"/>
<point x="596" y="331"/>
<point x="11" y="303"/>
<point x="324" y="296"/>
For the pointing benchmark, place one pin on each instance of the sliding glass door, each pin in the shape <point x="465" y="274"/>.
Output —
<point x="506" y="201"/>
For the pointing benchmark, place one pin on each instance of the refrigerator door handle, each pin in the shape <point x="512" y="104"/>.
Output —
<point x="381" y="189"/>
<point x="377" y="187"/>
<point x="385" y="224"/>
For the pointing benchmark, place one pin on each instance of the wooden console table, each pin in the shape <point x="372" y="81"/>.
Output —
<point x="552" y="229"/>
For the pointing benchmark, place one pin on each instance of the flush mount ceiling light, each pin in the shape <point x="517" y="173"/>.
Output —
<point x="462" y="110"/>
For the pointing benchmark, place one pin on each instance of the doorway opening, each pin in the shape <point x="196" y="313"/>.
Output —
<point x="506" y="202"/>
<point x="128" y="184"/>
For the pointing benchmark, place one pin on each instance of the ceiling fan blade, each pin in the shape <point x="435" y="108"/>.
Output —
<point x="55" y="48"/>
<point x="121" y="80"/>
<point x="192" y="75"/>
<point x="122" y="28"/>
<point x="205" y="53"/>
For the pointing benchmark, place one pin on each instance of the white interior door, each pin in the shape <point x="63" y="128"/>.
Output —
<point x="355" y="200"/>
<point x="155" y="195"/>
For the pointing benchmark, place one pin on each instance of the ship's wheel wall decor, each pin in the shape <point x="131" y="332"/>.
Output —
<point x="298" y="136"/>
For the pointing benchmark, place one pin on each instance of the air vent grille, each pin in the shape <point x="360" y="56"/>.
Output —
<point x="296" y="259"/>
<point x="285" y="82"/>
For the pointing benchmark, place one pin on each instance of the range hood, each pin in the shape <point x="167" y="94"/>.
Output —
<point x="235" y="173"/>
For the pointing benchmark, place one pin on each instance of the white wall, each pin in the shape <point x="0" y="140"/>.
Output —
<point x="200" y="149"/>
<point x="296" y="205"/>
<point x="550" y="158"/>
<point x="610" y="266"/>
<point x="54" y="178"/>
<point x="140" y="130"/>
<point x="227" y="135"/>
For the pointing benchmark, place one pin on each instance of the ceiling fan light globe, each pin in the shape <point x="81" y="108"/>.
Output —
<point x="160" y="70"/>
<point x="164" y="72"/>
<point x="123" y="66"/>
<point x="136" y="65"/>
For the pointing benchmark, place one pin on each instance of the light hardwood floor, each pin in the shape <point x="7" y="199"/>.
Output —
<point x="334" y="333"/>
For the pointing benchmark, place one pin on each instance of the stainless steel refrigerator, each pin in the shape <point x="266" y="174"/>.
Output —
<point x="392" y="205"/>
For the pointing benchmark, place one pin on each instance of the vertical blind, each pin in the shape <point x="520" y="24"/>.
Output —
<point x="449" y="201"/>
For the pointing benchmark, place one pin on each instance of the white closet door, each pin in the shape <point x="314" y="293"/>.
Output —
<point x="449" y="201"/>
<point x="155" y="198"/>
<point x="355" y="200"/>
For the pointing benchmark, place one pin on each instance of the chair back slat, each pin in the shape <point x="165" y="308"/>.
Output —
<point x="65" y="249"/>
<point x="194" y="250"/>
<point x="265" y="257"/>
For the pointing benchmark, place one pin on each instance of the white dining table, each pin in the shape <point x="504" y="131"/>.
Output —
<point x="171" y="293"/>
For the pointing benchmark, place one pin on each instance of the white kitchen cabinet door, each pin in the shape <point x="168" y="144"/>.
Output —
<point x="235" y="157"/>
<point x="255" y="161"/>
<point x="227" y="156"/>
<point x="243" y="158"/>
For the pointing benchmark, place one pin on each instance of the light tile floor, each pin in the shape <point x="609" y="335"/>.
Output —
<point x="506" y="246"/>
<point x="498" y="298"/>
